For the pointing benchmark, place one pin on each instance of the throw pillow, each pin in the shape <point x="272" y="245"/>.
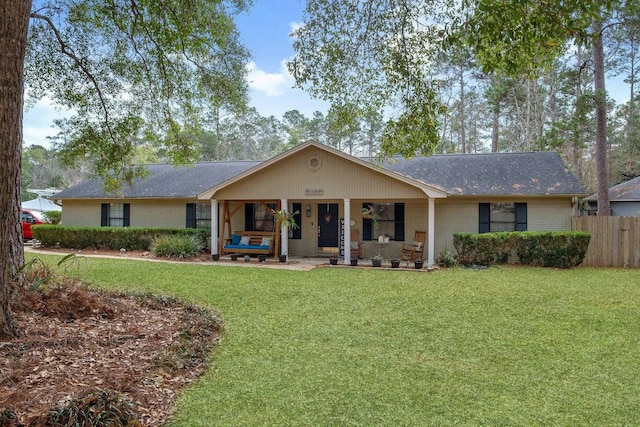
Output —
<point x="244" y="240"/>
<point x="417" y="245"/>
<point x="235" y="239"/>
<point x="266" y="241"/>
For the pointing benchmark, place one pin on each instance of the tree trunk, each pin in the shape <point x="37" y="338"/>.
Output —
<point x="604" y="208"/>
<point x="14" y="21"/>
<point x="463" y="136"/>
<point x="495" y="129"/>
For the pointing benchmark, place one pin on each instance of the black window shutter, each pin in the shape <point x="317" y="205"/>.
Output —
<point x="521" y="216"/>
<point x="484" y="213"/>
<point x="248" y="216"/>
<point x="297" y="232"/>
<point x="398" y="216"/>
<point x="104" y="215"/>
<point x="367" y="225"/>
<point x="191" y="215"/>
<point x="126" y="212"/>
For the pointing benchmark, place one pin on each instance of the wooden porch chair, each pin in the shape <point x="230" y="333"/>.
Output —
<point x="357" y="247"/>
<point x="415" y="250"/>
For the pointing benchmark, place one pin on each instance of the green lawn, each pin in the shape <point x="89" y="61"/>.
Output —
<point x="340" y="346"/>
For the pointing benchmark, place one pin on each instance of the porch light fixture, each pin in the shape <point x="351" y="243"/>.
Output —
<point x="308" y="211"/>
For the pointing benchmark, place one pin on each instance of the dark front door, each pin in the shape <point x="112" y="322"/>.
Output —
<point x="328" y="225"/>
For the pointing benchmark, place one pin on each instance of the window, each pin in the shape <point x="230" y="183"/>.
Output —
<point x="258" y="218"/>
<point x="502" y="217"/>
<point x="297" y="233"/>
<point x="389" y="221"/>
<point x="199" y="216"/>
<point x="115" y="215"/>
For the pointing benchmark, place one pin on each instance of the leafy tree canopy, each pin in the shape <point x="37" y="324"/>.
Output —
<point x="133" y="70"/>
<point x="380" y="54"/>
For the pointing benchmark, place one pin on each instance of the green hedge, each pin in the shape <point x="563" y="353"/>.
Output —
<point x="130" y="238"/>
<point x="546" y="249"/>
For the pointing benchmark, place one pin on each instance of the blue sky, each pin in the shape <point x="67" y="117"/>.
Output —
<point x="264" y="30"/>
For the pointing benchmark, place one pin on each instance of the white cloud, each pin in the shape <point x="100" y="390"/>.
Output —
<point x="271" y="84"/>
<point x="293" y="26"/>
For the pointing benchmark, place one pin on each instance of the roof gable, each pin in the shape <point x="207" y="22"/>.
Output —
<point x="343" y="178"/>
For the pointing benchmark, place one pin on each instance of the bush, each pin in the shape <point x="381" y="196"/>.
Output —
<point x="447" y="259"/>
<point x="130" y="238"/>
<point x="484" y="249"/>
<point x="54" y="217"/>
<point x="177" y="246"/>
<point x="99" y="408"/>
<point x="546" y="249"/>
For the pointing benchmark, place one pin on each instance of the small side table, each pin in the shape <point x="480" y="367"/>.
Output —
<point x="382" y="248"/>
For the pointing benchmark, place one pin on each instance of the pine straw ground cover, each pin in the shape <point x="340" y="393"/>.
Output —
<point x="128" y="353"/>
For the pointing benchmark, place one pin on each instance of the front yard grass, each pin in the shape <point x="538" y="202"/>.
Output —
<point x="502" y="346"/>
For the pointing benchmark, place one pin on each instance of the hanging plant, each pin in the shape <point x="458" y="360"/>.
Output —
<point x="286" y="218"/>
<point x="369" y="212"/>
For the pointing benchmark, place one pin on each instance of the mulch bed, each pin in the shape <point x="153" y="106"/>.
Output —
<point x="74" y="340"/>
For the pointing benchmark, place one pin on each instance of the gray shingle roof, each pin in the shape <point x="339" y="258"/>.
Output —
<point x="628" y="191"/>
<point x="496" y="174"/>
<point x="536" y="173"/>
<point x="165" y="181"/>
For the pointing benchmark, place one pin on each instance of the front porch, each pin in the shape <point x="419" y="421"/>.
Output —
<point x="328" y="228"/>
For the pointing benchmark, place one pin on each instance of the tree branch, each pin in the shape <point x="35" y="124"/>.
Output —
<point x="80" y="62"/>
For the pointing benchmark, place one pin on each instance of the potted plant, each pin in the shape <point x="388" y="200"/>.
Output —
<point x="354" y="261"/>
<point x="395" y="263"/>
<point x="376" y="261"/>
<point x="285" y="218"/>
<point x="333" y="260"/>
<point x="234" y="257"/>
<point x="418" y="264"/>
<point x="262" y="258"/>
<point x="369" y="212"/>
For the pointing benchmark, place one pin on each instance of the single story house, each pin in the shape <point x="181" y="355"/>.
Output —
<point x="440" y="194"/>
<point x="624" y="199"/>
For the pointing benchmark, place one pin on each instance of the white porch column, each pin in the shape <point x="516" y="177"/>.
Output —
<point x="430" y="234"/>
<point x="214" y="226"/>
<point x="347" y="231"/>
<point x="284" y="231"/>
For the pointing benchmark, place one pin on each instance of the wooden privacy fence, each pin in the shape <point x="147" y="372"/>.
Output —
<point x="615" y="240"/>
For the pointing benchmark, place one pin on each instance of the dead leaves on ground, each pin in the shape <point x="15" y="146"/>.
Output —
<point x="74" y="339"/>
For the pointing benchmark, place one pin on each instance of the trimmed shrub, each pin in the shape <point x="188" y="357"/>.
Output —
<point x="546" y="249"/>
<point x="484" y="249"/>
<point x="130" y="238"/>
<point x="177" y="246"/>
<point x="562" y="250"/>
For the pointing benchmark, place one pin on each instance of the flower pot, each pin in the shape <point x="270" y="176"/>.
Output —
<point x="418" y="264"/>
<point x="282" y="258"/>
<point x="215" y="257"/>
<point x="262" y="258"/>
<point x="395" y="263"/>
<point x="354" y="261"/>
<point x="234" y="257"/>
<point x="376" y="262"/>
<point x="333" y="261"/>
